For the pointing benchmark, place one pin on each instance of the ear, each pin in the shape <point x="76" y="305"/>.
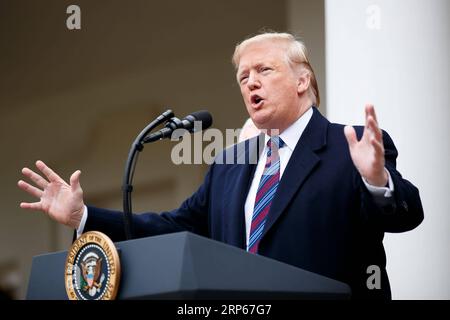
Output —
<point x="303" y="82"/>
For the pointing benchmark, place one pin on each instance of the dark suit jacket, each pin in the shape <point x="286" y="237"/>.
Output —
<point x="322" y="219"/>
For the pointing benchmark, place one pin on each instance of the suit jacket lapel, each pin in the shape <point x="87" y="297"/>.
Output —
<point x="302" y="162"/>
<point x="246" y="160"/>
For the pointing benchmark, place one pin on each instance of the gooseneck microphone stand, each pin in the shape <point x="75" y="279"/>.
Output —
<point x="127" y="187"/>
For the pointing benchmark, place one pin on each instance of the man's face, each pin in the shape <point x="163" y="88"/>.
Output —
<point x="269" y="86"/>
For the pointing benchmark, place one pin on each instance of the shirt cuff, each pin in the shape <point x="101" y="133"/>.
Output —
<point x="82" y="222"/>
<point x="381" y="192"/>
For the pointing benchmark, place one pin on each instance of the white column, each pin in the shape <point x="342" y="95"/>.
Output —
<point x="395" y="54"/>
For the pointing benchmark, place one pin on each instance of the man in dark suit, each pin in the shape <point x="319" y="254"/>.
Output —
<point x="320" y="196"/>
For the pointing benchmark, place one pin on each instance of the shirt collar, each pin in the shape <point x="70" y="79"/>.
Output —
<point x="292" y="134"/>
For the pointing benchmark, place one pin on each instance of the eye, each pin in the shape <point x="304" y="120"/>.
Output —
<point x="265" y="69"/>
<point x="243" y="78"/>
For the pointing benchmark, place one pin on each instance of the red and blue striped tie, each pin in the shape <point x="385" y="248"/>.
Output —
<point x="266" y="191"/>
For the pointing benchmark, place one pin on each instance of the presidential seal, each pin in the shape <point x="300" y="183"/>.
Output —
<point x="92" y="268"/>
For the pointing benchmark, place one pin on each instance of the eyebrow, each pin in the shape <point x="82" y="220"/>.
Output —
<point x="243" y="70"/>
<point x="240" y="73"/>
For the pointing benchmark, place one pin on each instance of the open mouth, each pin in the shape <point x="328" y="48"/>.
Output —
<point x="256" y="100"/>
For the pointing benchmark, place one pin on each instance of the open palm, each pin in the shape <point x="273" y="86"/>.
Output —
<point x="368" y="153"/>
<point x="61" y="201"/>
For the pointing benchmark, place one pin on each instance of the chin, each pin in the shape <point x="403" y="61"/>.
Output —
<point x="261" y="122"/>
<point x="263" y="125"/>
<point x="260" y="125"/>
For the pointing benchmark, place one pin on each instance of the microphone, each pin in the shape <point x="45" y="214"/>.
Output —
<point x="187" y="123"/>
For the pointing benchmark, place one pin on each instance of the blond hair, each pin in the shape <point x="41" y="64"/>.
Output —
<point x="296" y="54"/>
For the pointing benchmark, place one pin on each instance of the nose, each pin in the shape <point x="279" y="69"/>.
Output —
<point x="253" y="81"/>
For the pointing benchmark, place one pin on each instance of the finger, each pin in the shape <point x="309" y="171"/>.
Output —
<point x="75" y="180"/>
<point x="49" y="173"/>
<point x="41" y="182"/>
<point x="31" y="206"/>
<point x="350" y="135"/>
<point x="30" y="189"/>
<point x="378" y="146"/>
<point x="374" y="128"/>
<point x="370" y="111"/>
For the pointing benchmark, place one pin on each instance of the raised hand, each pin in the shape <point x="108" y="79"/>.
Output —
<point x="61" y="201"/>
<point x="368" y="153"/>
